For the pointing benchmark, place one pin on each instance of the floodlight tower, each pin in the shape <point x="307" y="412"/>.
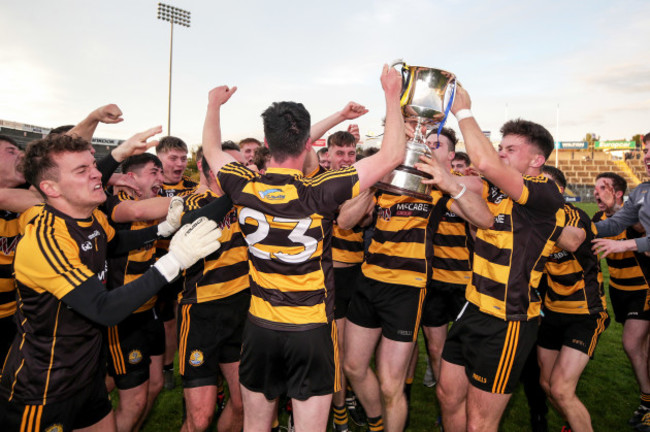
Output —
<point x="181" y="17"/>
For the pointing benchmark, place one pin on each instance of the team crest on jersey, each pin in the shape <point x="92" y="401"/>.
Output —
<point x="86" y="246"/>
<point x="274" y="194"/>
<point x="196" y="358"/>
<point x="135" y="357"/>
<point x="57" y="427"/>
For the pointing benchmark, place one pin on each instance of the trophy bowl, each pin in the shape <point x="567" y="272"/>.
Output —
<point x="427" y="96"/>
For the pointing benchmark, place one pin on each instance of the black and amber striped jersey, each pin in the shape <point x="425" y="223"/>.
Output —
<point x="224" y="272"/>
<point x="452" y="243"/>
<point x="574" y="280"/>
<point x="509" y="258"/>
<point x="628" y="271"/>
<point x="127" y="268"/>
<point x="9" y="231"/>
<point x="401" y="249"/>
<point x="57" y="351"/>
<point x="347" y="245"/>
<point x="286" y="220"/>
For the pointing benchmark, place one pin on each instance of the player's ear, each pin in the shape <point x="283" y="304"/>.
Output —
<point x="50" y="188"/>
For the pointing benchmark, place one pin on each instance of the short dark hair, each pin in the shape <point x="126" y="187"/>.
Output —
<point x="170" y="143"/>
<point x="557" y="175"/>
<point x="229" y="145"/>
<point x="249" y="141"/>
<point x="322" y="151"/>
<point x="646" y="138"/>
<point x="449" y="133"/>
<point x="340" y="139"/>
<point x="536" y="134"/>
<point x="618" y="182"/>
<point x="133" y="163"/>
<point x="286" y="129"/>
<point x="462" y="156"/>
<point x="10" y="140"/>
<point x="38" y="163"/>
<point x="60" y="130"/>
<point x="261" y="157"/>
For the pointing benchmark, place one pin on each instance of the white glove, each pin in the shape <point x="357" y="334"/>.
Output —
<point x="191" y="243"/>
<point x="173" y="220"/>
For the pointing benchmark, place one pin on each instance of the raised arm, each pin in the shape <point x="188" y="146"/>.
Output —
<point x="216" y="157"/>
<point x="483" y="155"/>
<point x="108" y="114"/>
<point x="351" y="111"/>
<point x="393" y="147"/>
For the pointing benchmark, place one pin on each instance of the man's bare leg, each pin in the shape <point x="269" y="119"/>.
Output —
<point x="568" y="368"/>
<point x="452" y="391"/>
<point x="635" y="344"/>
<point x="154" y="388"/>
<point x="199" y="405"/>
<point x="484" y="409"/>
<point x="546" y="359"/>
<point x="132" y="404"/>
<point x="436" y="337"/>
<point x="232" y="417"/>
<point x="392" y="362"/>
<point x="360" y="343"/>
<point x="311" y="414"/>
<point x="258" y="410"/>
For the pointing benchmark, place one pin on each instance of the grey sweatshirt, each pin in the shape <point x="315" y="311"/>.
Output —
<point x="636" y="209"/>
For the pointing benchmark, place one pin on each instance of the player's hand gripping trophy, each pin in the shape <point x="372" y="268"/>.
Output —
<point x="427" y="96"/>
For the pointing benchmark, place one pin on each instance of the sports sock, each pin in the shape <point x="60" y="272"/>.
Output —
<point x="340" y="415"/>
<point x="168" y="367"/>
<point x="645" y="400"/>
<point x="376" y="424"/>
<point x="407" y="389"/>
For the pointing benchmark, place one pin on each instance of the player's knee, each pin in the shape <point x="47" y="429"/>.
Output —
<point x="352" y="369"/>
<point x="199" y="419"/>
<point x="134" y="404"/>
<point x="391" y="389"/>
<point x="561" y="393"/>
<point x="446" y="395"/>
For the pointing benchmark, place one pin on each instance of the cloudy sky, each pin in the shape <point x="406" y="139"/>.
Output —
<point x="62" y="59"/>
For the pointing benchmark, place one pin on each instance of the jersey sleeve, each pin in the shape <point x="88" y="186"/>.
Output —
<point x="113" y="201"/>
<point x="333" y="188"/>
<point x="49" y="260"/>
<point x="233" y="177"/>
<point x="541" y="194"/>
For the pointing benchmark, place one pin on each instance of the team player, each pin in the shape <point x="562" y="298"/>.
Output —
<point x="450" y="261"/>
<point x="10" y="177"/>
<point x="575" y="315"/>
<point x="385" y="310"/>
<point x="136" y="344"/>
<point x="490" y="340"/>
<point x="629" y="274"/>
<point x="53" y="379"/>
<point x="347" y="256"/>
<point x="172" y="152"/>
<point x="212" y="311"/>
<point x="290" y="340"/>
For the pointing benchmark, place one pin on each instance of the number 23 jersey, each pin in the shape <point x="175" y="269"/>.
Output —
<point x="287" y="223"/>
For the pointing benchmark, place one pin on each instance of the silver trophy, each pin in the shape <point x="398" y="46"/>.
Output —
<point x="427" y="96"/>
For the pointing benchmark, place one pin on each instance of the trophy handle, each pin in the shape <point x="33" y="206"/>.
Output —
<point x="406" y="74"/>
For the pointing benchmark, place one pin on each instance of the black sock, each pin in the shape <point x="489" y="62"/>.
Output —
<point x="376" y="424"/>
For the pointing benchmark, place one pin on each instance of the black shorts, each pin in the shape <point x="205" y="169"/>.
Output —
<point x="629" y="304"/>
<point x="87" y="407"/>
<point x="395" y="308"/>
<point x="493" y="351"/>
<point x="8" y="330"/>
<point x="301" y="364"/>
<point x="345" y="283"/>
<point x="131" y="344"/>
<point x="166" y="303"/>
<point x="576" y="331"/>
<point x="210" y="333"/>
<point x="442" y="303"/>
